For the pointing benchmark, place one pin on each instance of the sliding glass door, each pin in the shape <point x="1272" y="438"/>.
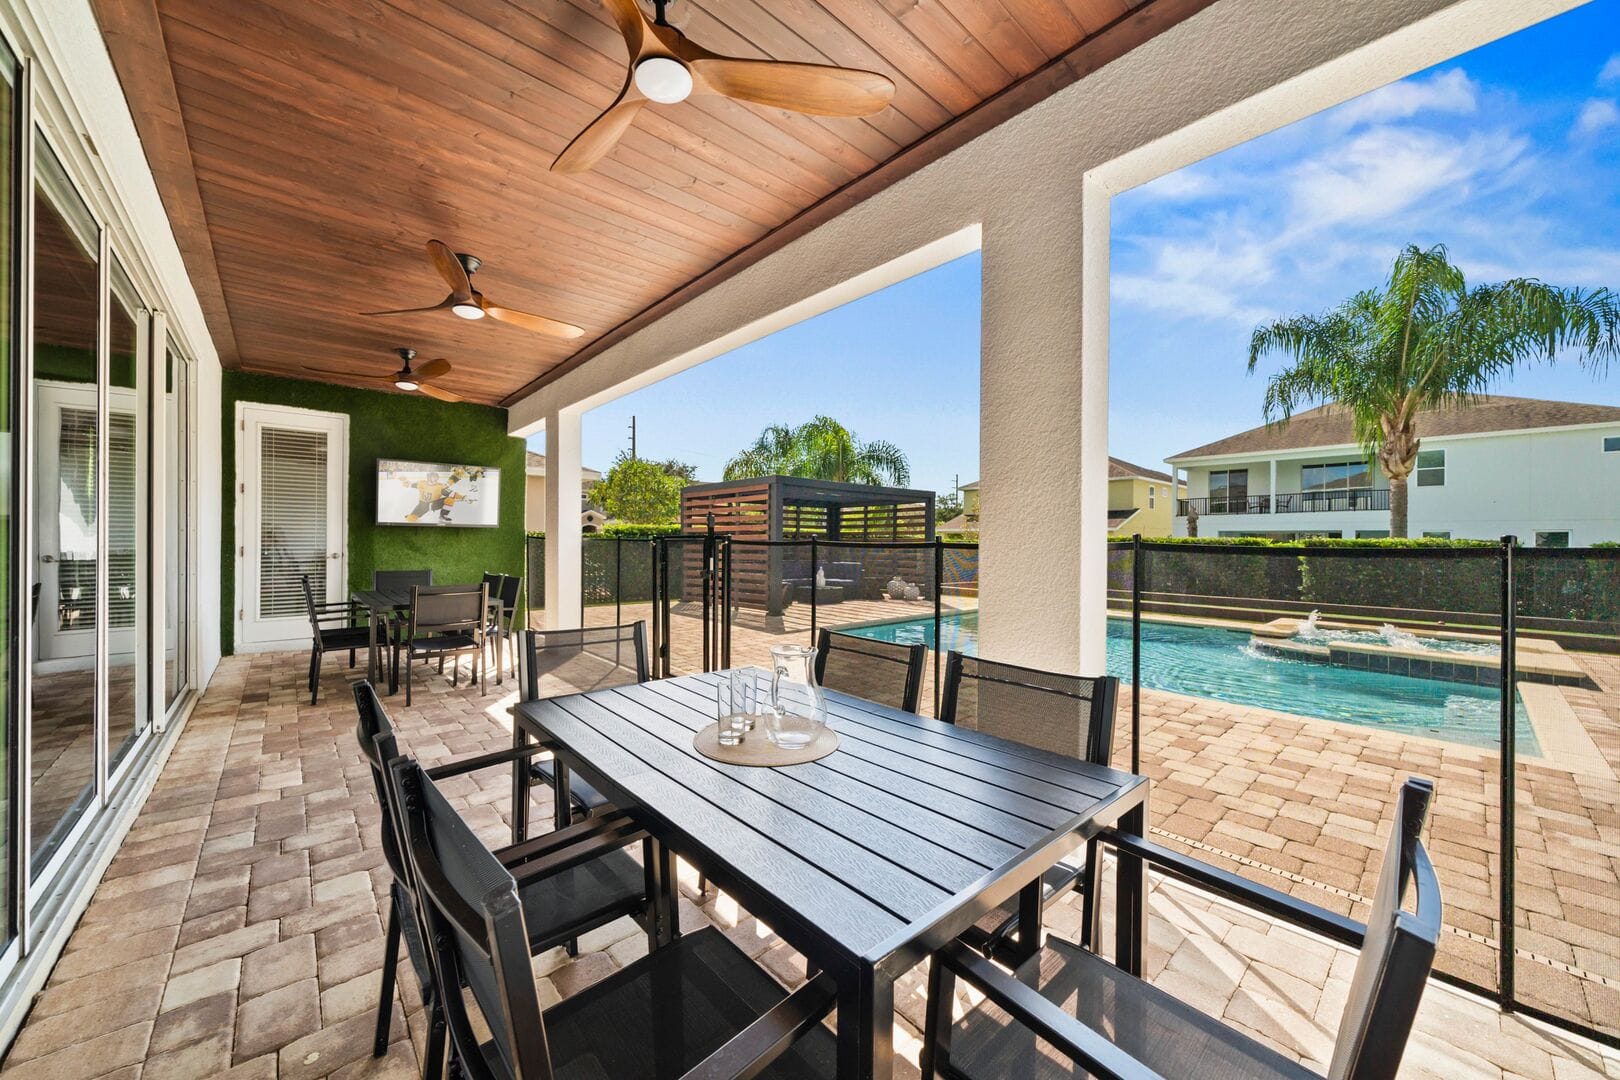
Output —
<point x="127" y="623"/>
<point x="64" y="713"/>
<point x="176" y="457"/>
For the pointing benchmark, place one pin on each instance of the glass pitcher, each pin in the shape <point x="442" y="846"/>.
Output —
<point x="798" y="707"/>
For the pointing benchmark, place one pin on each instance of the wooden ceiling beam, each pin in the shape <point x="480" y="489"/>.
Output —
<point x="134" y="37"/>
<point x="1119" y="37"/>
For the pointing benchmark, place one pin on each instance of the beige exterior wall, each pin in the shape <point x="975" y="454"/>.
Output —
<point x="534" y="506"/>
<point x="1154" y="502"/>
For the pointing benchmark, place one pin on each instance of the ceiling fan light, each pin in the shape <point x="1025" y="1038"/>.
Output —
<point x="404" y="384"/>
<point x="663" y="79"/>
<point x="467" y="310"/>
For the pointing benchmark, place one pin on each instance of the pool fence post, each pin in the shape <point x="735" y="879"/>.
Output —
<point x="939" y="588"/>
<point x="813" y="557"/>
<point x="1136" y="652"/>
<point x="1509" y="662"/>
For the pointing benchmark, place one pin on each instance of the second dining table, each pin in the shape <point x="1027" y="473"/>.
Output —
<point x="866" y="861"/>
<point x="383" y="604"/>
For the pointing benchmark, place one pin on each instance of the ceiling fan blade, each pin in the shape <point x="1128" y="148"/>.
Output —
<point x="434" y="392"/>
<point x="632" y="23"/>
<point x="819" y="89"/>
<point x="592" y="144"/>
<point x="450" y="268"/>
<point x="434" y="369"/>
<point x="538" y="323"/>
<point x="414" y="310"/>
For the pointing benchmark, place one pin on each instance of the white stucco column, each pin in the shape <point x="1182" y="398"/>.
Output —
<point x="1043" y="431"/>
<point x="563" y="535"/>
<point x="1271" y="492"/>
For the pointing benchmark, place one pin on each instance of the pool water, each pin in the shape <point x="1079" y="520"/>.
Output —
<point x="1214" y="663"/>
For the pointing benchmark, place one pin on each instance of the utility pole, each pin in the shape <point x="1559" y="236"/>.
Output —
<point x="632" y="438"/>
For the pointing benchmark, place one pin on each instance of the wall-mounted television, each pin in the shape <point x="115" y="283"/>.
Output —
<point x="433" y="494"/>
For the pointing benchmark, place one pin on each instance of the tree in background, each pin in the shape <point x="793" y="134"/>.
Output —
<point x="1426" y="340"/>
<point x="947" y="506"/>
<point x="820" y="449"/>
<point x="641" y="492"/>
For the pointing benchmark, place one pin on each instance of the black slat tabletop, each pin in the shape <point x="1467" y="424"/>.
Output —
<point x="874" y="845"/>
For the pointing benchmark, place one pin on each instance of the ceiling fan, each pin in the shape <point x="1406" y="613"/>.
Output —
<point x="419" y="380"/>
<point x="469" y="303"/>
<point x="666" y="68"/>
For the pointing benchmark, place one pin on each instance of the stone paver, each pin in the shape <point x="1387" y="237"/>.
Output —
<point x="265" y="790"/>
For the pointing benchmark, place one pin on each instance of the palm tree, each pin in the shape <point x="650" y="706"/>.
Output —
<point x="820" y="449"/>
<point x="1426" y="340"/>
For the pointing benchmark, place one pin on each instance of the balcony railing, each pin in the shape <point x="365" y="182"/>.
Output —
<point x="1224" y="504"/>
<point x="1296" y="502"/>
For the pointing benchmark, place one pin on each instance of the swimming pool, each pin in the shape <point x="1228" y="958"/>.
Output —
<point x="1214" y="663"/>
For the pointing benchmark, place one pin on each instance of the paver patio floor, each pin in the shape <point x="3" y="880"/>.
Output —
<point x="237" y="932"/>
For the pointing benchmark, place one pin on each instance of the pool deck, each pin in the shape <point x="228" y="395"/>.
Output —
<point x="237" y="933"/>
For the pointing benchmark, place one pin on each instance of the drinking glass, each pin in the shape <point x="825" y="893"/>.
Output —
<point x="735" y="698"/>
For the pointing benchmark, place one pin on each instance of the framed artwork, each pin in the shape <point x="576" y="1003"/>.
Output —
<point x="428" y="494"/>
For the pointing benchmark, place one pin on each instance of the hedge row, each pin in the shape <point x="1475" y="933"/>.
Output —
<point x="1579" y="586"/>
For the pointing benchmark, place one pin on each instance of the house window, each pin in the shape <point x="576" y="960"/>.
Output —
<point x="1611" y="444"/>
<point x="1372" y="534"/>
<point x="1444" y="534"/>
<point x="1336" y="476"/>
<point x="1431" y="468"/>
<point x="1228" y="491"/>
<point x="1151" y="492"/>
<point x="1559" y="539"/>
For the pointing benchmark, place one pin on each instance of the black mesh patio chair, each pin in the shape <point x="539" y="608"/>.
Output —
<point x="332" y="628"/>
<point x="555" y="662"/>
<point x="400" y="579"/>
<point x="694" y="1006"/>
<point x="503" y="596"/>
<point x="1067" y="1011"/>
<point x="397" y="621"/>
<point x="881" y="671"/>
<point x="591" y="879"/>
<point x="1072" y="715"/>
<point x="446" y="621"/>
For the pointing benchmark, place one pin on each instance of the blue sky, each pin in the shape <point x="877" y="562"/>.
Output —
<point x="1509" y="155"/>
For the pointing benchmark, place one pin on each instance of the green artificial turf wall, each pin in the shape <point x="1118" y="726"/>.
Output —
<point x="384" y="425"/>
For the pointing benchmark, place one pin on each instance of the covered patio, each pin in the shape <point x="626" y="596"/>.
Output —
<point x="244" y="404"/>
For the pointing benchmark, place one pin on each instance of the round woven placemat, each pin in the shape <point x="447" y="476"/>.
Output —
<point x="756" y="749"/>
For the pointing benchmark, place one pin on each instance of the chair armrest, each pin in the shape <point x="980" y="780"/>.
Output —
<point x="1267" y="900"/>
<point x="545" y="843"/>
<point x="462" y="766"/>
<point x="751" y="1050"/>
<point x="579" y="850"/>
<point x="1069" y="1036"/>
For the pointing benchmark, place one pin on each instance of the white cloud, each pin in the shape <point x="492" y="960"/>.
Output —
<point x="1610" y="72"/>
<point x="1383" y="171"/>
<point x="1595" y="116"/>
<point x="1209" y="277"/>
<point x="1187" y="183"/>
<point x="1447" y="92"/>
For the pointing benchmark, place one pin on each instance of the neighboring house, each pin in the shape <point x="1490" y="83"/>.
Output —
<point x="534" y="512"/>
<point x="1139" y="500"/>
<point x="1547" y="472"/>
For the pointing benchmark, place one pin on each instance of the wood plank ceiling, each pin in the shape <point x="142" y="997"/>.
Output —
<point x="306" y="149"/>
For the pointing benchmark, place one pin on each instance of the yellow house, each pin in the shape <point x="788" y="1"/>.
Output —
<point x="1139" y="500"/>
<point x="534" y="512"/>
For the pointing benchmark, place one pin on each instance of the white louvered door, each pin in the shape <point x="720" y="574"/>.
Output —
<point x="292" y="468"/>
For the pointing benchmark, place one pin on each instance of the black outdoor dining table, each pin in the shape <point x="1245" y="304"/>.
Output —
<point x="865" y="861"/>
<point x="381" y="603"/>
